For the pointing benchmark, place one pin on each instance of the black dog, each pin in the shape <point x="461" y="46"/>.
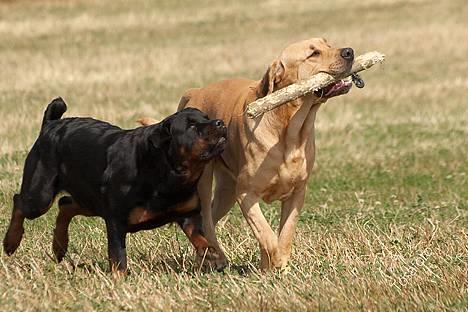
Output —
<point x="135" y="179"/>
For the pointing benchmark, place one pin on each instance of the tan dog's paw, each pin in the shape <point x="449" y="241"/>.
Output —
<point x="275" y="262"/>
<point x="147" y="121"/>
<point x="284" y="270"/>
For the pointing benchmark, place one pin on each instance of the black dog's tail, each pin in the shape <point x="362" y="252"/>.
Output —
<point x="54" y="111"/>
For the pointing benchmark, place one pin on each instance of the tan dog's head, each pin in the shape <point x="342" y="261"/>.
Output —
<point x="303" y="59"/>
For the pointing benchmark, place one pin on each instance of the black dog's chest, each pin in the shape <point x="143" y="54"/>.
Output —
<point x="145" y="217"/>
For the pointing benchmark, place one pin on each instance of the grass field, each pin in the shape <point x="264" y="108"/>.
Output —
<point x="385" y="221"/>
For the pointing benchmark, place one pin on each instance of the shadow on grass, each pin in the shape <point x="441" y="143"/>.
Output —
<point x="182" y="266"/>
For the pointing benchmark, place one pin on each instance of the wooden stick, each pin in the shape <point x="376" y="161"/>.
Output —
<point x="303" y="87"/>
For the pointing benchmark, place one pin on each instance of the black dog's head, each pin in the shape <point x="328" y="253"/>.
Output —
<point x="191" y="136"/>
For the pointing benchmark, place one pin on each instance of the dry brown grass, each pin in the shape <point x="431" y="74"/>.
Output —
<point x="385" y="221"/>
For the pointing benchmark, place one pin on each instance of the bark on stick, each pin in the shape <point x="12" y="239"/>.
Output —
<point x="312" y="84"/>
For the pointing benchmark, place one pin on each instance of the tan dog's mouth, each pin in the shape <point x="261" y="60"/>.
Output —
<point x="337" y="88"/>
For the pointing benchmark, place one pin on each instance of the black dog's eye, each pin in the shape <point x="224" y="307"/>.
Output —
<point x="315" y="53"/>
<point x="193" y="127"/>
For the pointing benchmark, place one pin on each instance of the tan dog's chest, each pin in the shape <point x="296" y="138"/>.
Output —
<point x="290" y="174"/>
<point x="287" y="170"/>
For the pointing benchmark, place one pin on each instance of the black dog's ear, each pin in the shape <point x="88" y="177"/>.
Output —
<point x="161" y="134"/>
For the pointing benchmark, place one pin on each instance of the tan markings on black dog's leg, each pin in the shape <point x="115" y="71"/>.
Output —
<point x="192" y="228"/>
<point x="15" y="230"/>
<point x="68" y="209"/>
<point x="141" y="215"/>
<point x="207" y="255"/>
<point x="25" y="205"/>
<point x="38" y="191"/>
<point x="187" y="206"/>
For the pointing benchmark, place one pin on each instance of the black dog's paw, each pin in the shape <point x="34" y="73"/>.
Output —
<point x="59" y="246"/>
<point x="59" y="253"/>
<point x="211" y="260"/>
<point x="12" y="241"/>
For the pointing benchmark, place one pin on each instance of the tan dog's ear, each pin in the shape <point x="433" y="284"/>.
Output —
<point x="147" y="121"/>
<point x="276" y="75"/>
<point x="272" y="77"/>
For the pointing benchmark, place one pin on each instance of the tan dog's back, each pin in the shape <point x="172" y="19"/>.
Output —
<point x="222" y="99"/>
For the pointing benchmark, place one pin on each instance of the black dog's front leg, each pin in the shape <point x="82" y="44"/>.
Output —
<point x="206" y="255"/>
<point x="116" y="234"/>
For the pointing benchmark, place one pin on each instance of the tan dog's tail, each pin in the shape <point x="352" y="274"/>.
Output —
<point x="183" y="101"/>
<point x="147" y="121"/>
<point x="186" y="98"/>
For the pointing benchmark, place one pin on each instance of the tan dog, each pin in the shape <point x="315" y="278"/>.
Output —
<point x="269" y="158"/>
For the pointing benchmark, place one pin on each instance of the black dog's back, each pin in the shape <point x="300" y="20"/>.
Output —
<point x="80" y="146"/>
<point x="83" y="132"/>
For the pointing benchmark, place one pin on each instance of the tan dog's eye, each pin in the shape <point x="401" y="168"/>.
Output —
<point x="315" y="53"/>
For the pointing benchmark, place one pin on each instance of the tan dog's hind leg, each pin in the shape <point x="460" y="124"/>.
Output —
<point x="205" y="191"/>
<point x="267" y="239"/>
<point x="290" y="210"/>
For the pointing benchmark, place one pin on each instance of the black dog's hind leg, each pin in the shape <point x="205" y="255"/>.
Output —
<point x="15" y="229"/>
<point x="38" y="191"/>
<point x="68" y="209"/>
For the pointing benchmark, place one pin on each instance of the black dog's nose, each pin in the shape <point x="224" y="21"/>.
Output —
<point x="347" y="53"/>
<point x="219" y="123"/>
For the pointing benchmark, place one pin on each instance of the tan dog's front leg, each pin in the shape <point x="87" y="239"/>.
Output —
<point x="290" y="210"/>
<point x="267" y="239"/>
<point x="216" y="259"/>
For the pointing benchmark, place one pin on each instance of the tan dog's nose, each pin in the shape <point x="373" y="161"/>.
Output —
<point x="347" y="54"/>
